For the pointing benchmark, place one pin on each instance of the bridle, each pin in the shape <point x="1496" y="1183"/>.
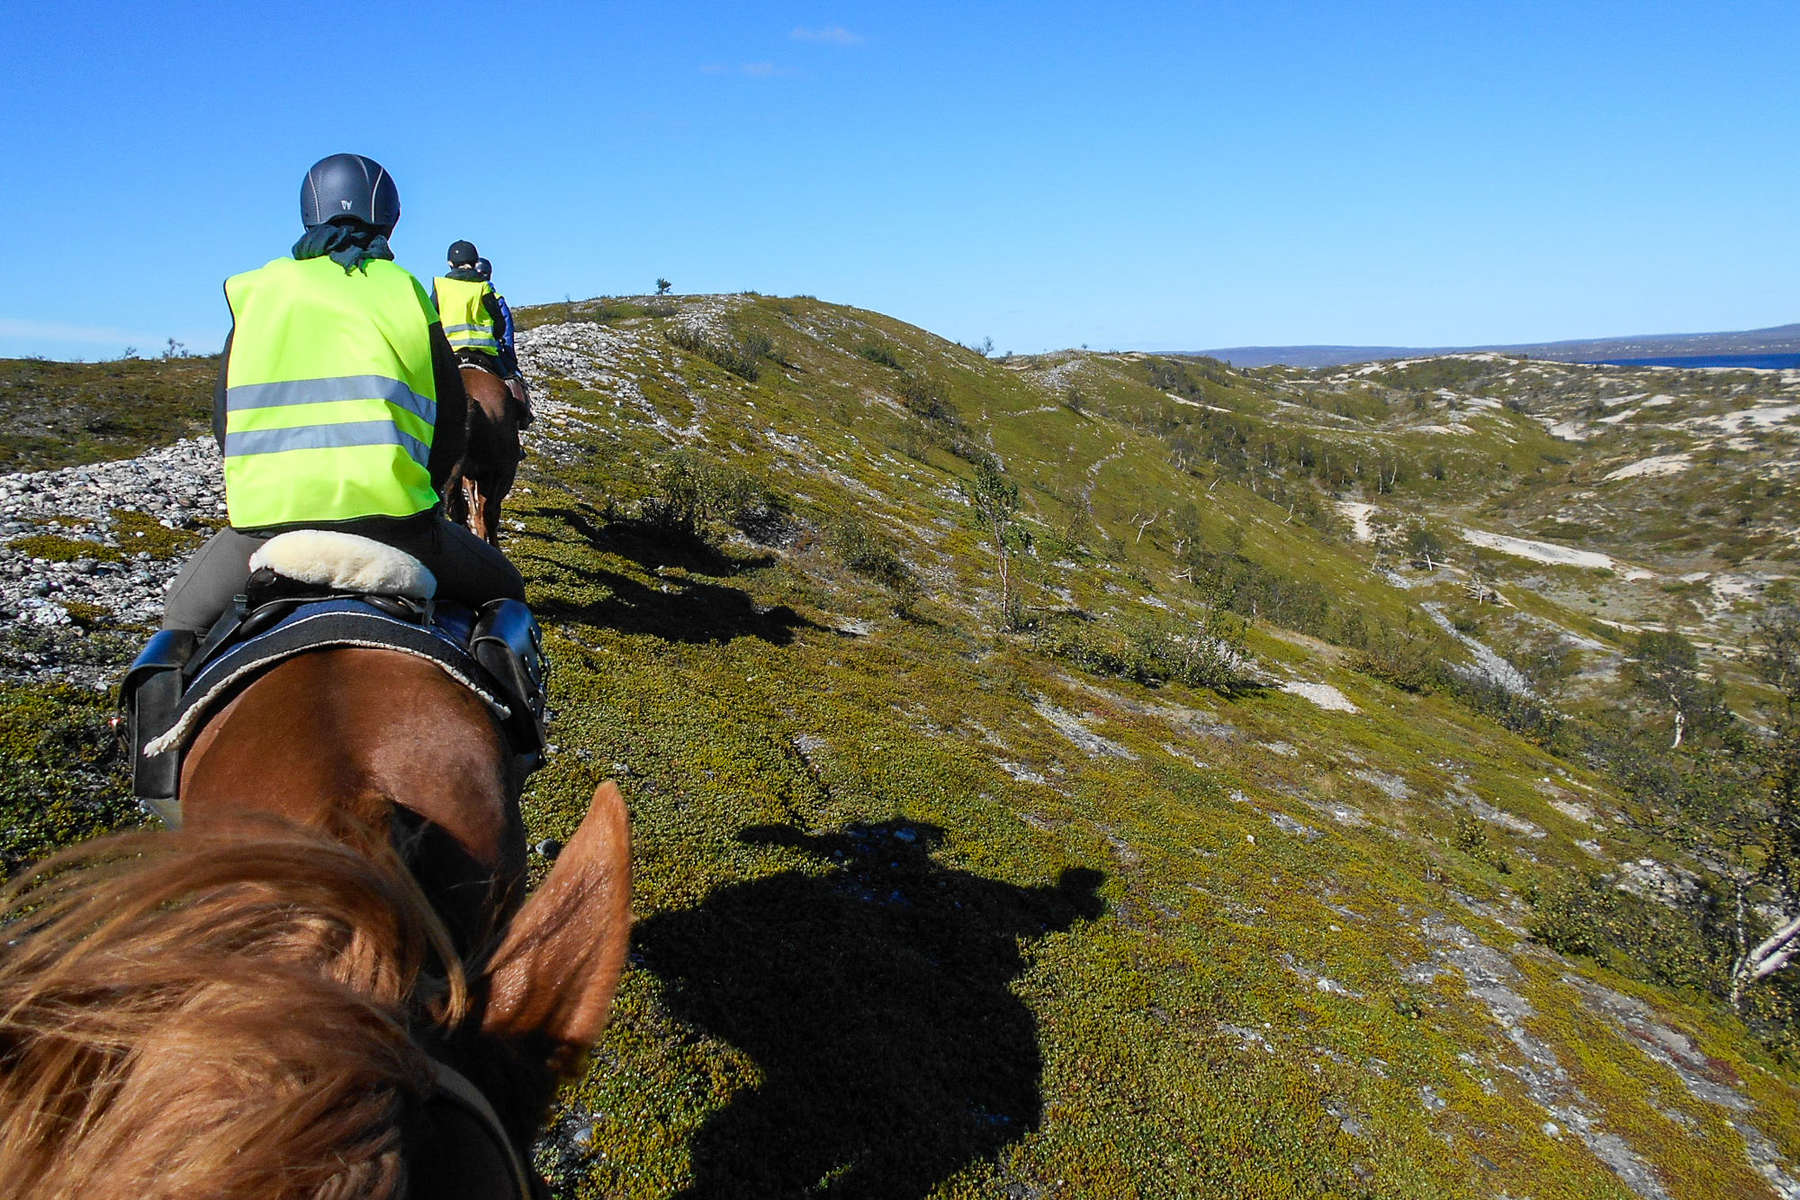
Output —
<point x="454" y="1086"/>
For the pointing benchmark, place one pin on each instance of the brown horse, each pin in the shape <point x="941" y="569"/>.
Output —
<point x="491" y="459"/>
<point x="324" y="984"/>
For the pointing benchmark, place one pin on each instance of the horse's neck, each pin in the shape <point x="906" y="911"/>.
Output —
<point x="322" y="741"/>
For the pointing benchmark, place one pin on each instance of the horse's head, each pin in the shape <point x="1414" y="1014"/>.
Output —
<point x="262" y="1011"/>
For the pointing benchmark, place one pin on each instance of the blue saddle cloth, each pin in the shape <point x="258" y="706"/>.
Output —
<point x="330" y="624"/>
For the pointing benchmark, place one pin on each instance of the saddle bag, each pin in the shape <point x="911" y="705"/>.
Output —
<point x="510" y="647"/>
<point x="151" y="692"/>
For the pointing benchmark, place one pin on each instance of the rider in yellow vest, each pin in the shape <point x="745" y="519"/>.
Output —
<point x="470" y="310"/>
<point x="477" y="323"/>
<point x="339" y="404"/>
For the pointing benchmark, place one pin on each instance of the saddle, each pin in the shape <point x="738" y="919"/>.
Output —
<point x="475" y="358"/>
<point x="317" y="590"/>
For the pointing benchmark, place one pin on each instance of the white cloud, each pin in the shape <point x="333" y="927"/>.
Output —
<point x="835" y="35"/>
<point x="761" y="70"/>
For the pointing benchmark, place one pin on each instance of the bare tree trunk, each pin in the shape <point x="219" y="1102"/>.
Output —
<point x="1772" y="954"/>
<point x="1737" y="936"/>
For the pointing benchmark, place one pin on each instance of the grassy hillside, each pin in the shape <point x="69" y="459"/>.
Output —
<point x="1194" y="871"/>
<point x="59" y="414"/>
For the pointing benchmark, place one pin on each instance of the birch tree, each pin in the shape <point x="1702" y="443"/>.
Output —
<point x="1766" y="816"/>
<point x="995" y="499"/>
<point x="1665" y="669"/>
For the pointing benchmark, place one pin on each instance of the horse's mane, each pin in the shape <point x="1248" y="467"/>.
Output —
<point x="216" y="1014"/>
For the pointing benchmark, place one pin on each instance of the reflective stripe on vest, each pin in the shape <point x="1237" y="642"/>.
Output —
<point x="467" y="324"/>
<point x="330" y="397"/>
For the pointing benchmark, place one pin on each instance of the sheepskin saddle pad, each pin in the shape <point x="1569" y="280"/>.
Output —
<point x="345" y="562"/>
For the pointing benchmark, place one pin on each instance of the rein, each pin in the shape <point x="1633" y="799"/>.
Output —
<point x="453" y="1085"/>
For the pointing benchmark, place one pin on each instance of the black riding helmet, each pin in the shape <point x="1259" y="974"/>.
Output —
<point x="462" y="254"/>
<point x="484" y="268"/>
<point x="349" y="185"/>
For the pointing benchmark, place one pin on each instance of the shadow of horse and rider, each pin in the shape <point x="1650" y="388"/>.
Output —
<point x="694" y="606"/>
<point x="875" y="998"/>
<point x="876" y="1002"/>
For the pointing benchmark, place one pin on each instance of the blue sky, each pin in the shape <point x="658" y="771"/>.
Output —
<point x="1171" y="176"/>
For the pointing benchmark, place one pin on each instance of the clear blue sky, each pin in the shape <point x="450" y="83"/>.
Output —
<point x="1046" y="174"/>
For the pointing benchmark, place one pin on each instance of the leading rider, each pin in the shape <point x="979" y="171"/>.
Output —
<point x="478" y="322"/>
<point x="339" y="405"/>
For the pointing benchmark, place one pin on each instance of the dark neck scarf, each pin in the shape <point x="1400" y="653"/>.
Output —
<point x="347" y="242"/>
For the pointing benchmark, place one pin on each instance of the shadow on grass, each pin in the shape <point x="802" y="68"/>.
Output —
<point x="875" y="1002"/>
<point x="651" y="547"/>
<point x="679" y="608"/>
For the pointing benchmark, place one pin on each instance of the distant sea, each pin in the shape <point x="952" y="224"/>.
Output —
<point x="1761" y="362"/>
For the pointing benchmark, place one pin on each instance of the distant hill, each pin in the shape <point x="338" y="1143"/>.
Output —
<point x="1779" y="339"/>
<point x="1257" y="795"/>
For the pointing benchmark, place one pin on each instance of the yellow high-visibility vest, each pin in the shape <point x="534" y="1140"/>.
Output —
<point x="330" y="399"/>
<point x="467" y="324"/>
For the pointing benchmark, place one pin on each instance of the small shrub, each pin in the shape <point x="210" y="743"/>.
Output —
<point x="1526" y="716"/>
<point x="1471" y="837"/>
<point x="1408" y="657"/>
<point x="1589" y="916"/>
<point x="740" y="359"/>
<point x="608" y="310"/>
<point x="919" y="437"/>
<point x="673" y="505"/>
<point x="874" y="557"/>
<point x="924" y="396"/>
<point x="1152" y="650"/>
<point x="690" y="492"/>
<point x="881" y="353"/>
<point x="1207" y="651"/>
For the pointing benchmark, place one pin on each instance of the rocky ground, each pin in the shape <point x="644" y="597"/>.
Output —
<point x="81" y="552"/>
<point x="92" y="549"/>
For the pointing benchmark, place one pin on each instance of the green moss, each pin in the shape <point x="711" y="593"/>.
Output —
<point x="130" y="533"/>
<point x="54" y="547"/>
<point x="64" y="778"/>
<point x="136" y="533"/>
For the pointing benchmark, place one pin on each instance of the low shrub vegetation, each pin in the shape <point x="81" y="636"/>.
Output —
<point x="691" y="494"/>
<point x="925" y="396"/>
<point x="742" y="357"/>
<point x="1152" y="650"/>
<point x="881" y="354"/>
<point x="875" y="557"/>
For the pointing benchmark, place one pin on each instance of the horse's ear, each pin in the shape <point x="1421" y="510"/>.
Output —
<point x="550" y="981"/>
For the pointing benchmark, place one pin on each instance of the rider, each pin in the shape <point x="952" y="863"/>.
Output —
<point x="469" y="308"/>
<point x="339" y="404"/>
<point x="509" y="358"/>
<point x="476" y="320"/>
